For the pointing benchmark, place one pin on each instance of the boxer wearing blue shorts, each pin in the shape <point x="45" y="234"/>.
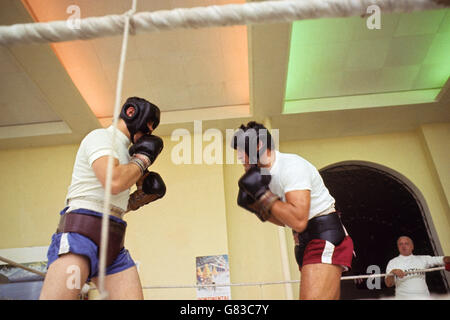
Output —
<point x="65" y="242"/>
<point x="78" y="236"/>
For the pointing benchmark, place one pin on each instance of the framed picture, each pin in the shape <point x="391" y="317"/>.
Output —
<point x="213" y="270"/>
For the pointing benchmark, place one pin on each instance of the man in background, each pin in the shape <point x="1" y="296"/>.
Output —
<point x="412" y="285"/>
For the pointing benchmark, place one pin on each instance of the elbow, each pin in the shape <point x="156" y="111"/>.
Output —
<point x="299" y="219"/>
<point x="116" y="188"/>
<point x="389" y="281"/>
<point x="388" y="284"/>
<point x="299" y="225"/>
<point x="115" y="192"/>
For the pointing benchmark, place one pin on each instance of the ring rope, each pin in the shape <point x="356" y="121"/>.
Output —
<point x="246" y="284"/>
<point x="243" y="284"/>
<point x="249" y="13"/>
<point x="202" y="17"/>
<point x="21" y="266"/>
<point x="107" y="202"/>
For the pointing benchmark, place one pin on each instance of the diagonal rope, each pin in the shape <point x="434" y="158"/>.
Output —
<point x="107" y="202"/>
<point x="21" y="266"/>
<point x="203" y="17"/>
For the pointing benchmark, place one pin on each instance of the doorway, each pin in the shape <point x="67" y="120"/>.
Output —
<point x="378" y="205"/>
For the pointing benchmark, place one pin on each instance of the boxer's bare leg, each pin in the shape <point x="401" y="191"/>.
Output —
<point x="65" y="277"/>
<point x="124" y="285"/>
<point x="320" y="282"/>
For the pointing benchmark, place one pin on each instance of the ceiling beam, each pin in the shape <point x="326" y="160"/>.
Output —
<point x="268" y="63"/>
<point x="44" y="69"/>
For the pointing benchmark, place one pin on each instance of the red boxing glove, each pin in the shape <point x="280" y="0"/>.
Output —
<point x="447" y="267"/>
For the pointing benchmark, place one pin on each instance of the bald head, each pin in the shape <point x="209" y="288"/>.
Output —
<point x="405" y="245"/>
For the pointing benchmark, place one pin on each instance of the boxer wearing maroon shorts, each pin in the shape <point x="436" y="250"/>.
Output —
<point x="287" y="190"/>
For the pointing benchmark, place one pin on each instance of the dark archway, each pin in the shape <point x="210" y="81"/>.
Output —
<point x="377" y="208"/>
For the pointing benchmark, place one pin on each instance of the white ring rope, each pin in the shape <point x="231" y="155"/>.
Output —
<point x="199" y="17"/>
<point x="243" y="284"/>
<point x="21" y="266"/>
<point x="248" y="284"/>
<point x="107" y="202"/>
<point x="202" y="17"/>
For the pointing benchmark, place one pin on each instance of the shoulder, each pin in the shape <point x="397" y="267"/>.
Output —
<point x="291" y="159"/>
<point x="425" y="257"/>
<point x="96" y="135"/>
<point x="394" y="260"/>
<point x="98" y="140"/>
<point x="293" y="162"/>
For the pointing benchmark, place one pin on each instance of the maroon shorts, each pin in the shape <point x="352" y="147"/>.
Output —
<point x="322" y="251"/>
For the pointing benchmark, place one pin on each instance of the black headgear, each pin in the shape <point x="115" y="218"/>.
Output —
<point x="248" y="137"/>
<point x="145" y="111"/>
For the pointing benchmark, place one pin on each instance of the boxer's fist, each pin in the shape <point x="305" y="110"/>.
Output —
<point x="248" y="203"/>
<point x="254" y="183"/>
<point x="255" y="187"/>
<point x="245" y="201"/>
<point x="150" y="187"/>
<point x="154" y="184"/>
<point x="148" y="145"/>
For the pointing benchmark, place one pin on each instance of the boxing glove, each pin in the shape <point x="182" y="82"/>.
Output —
<point x="256" y="187"/>
<point x="150" y="187"/>
<point x="154" y="184"/>
<point x="245" y="201"/>
<point x="148" y="145"/>
<point x="254" y="183"/>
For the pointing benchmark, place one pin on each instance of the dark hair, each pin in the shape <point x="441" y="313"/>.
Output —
<point x="248" y="137"/>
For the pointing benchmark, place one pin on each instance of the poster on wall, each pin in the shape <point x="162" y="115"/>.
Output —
<point x="213" y="270"/>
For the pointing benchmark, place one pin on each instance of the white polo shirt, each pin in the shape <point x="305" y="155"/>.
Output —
<point x="412" y="286"/>
<point x="291" y="172"/>
<point x="96" y="144"/>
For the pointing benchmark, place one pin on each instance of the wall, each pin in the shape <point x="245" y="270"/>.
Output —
<point x="405" y="153"/>
<point x="165" y="237"/>
<point x="189" y="221"/>
<point x="33" y="187"/>
<point x="254" y="246"/>
<point x="199" y="215"/>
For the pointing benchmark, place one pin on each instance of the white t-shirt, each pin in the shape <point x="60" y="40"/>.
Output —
<point x="291" y="172"/>
<point x="97" y="144"/>
<point x="413" y="285"/>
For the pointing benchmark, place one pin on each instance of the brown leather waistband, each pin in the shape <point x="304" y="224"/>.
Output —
<point x="90" y="227"/>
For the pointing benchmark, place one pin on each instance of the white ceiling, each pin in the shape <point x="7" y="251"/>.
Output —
<point x="55" y="94"/>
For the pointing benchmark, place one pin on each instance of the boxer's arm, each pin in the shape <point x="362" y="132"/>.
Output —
<point x="276" y="221"/>
<point x="123" y="175"/>
<point x="295" y="211"/>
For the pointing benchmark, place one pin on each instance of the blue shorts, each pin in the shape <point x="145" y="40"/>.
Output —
<point x="76" y="243"/>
